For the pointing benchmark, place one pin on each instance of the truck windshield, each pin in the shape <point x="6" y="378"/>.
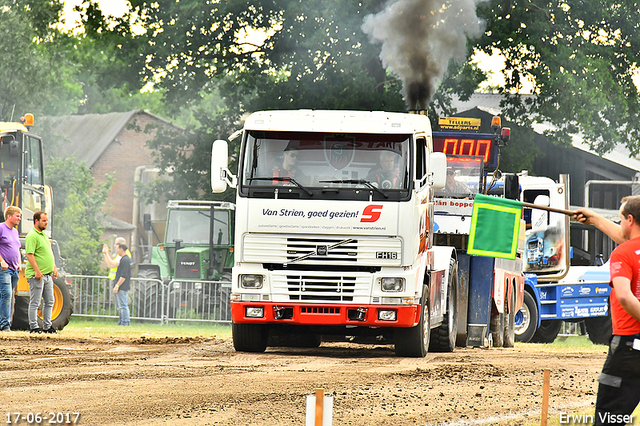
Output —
<point x="464" y="177"/>
<point x="326" y="160"/>
<point x="192" y="227"/>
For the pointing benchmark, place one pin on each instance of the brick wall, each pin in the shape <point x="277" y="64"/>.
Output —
<point x="123" y="155"/>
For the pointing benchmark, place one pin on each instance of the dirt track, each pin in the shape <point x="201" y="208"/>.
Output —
<point x="198" y="381"/>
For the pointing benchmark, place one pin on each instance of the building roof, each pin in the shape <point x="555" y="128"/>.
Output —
<point x="110" y="223"/>
<point x="87" y="136"/>
<point x="490" y="103"/>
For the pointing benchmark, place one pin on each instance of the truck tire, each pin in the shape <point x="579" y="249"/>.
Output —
<point x="526" y="319"/>
<point x="147" y="295"/>
<point x="496" y="326"/>
<point x="414" y="341"/>
<point x="249" y="337"/>
<point x="509" y="322"/>
<point x="547" y="332"/>
<point x="599" y="329"/>
<point x="62" y="308"/>
<point x="443" y="337"/>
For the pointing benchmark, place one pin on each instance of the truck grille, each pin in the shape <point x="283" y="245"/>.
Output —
<point x="280" y="249"/>
<point x="328" y="287"/>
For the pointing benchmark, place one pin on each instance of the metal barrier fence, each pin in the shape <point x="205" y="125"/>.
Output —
<point x="151" y="299"/>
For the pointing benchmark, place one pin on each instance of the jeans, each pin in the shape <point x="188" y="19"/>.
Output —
<point x="122" y="302"/>
<point x="40" y="289"/>
<point x="8" y="283"/>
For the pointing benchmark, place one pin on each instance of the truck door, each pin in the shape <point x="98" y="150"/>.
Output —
<point x="33" y="191"/>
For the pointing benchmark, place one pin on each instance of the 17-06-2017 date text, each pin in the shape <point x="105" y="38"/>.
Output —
<point x="43" y="418"/>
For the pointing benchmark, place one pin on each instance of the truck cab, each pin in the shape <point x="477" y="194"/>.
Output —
<point x="334" y="230"/>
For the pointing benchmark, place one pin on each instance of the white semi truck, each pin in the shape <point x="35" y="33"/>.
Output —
<point x="337" y="242"/>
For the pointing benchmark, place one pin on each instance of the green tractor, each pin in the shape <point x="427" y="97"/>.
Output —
<point x="189" y="274"/>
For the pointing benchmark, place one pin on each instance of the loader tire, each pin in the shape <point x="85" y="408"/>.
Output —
<point x="62" y="308"/>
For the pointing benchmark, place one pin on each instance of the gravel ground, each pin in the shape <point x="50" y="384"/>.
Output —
<point x="203" y="381"/>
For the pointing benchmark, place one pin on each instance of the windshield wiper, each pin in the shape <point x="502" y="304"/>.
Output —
<point x="284" y="179"/>
<point x="356" y="182"/>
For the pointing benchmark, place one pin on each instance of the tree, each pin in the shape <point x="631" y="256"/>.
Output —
<point x="35" y="75"/>
<point x="581" y="56"/>
<point x="314" y="54"/>
<point x="77" y="214"/>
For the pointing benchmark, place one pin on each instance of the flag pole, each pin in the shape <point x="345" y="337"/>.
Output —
<point x="549" y="209"/>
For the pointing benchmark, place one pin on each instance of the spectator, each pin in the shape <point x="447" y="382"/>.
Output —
<point x="41" y="271"/>
<point x="122" y="284"/>
<point x="9" y="263"/>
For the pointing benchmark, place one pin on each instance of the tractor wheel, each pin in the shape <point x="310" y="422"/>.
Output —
<point x="147" y="295"/>
<point x="249" y="337"/>
<point x="225" y="297"/>
<point x="414" y="341"/>
<point x="547" y="332"/>
<point x="60" y="315"/>
<point x="526" y="320"/>
<point x="443" y="337"/>
<point x="599" y="329"/>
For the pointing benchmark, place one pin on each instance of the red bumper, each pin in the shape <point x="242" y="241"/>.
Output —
<point x="326" y="314"/>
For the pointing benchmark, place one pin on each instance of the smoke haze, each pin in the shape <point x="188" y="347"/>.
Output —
<point x="419" y="38"/>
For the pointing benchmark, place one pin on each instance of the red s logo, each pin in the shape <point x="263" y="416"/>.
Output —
<point x="371" y="213"/>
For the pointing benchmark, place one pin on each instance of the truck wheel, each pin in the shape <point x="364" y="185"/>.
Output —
<point x="147" y="295"/>
<point x="249" y="337"/>
<point x="496" y="326"/>
<point x="60" y="315"/>
<point x="599" y="329"/>
<point x="547" y="332"/>
<point x="414" y="341"/>
<point x="509" y="323"/>
<point x="526" y="319"/>
<point x="443" y="337"/>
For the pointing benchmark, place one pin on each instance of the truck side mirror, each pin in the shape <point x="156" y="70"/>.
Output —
<point x="511" y="186"/>
<point x="438" y="170"/>
<point x="220" y="174"/>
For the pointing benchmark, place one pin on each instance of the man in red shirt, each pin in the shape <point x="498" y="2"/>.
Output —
<point x="619" y="382"/>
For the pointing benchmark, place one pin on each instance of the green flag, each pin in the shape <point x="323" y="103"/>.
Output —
<point x="495" y="227"/>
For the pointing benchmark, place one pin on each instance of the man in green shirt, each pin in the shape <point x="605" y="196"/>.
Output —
<point x="40" y="272"/>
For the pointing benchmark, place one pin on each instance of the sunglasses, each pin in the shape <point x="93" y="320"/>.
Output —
<point x="450" y="173"/>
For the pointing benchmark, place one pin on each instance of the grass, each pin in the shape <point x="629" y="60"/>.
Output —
<point x="81" y="327"/>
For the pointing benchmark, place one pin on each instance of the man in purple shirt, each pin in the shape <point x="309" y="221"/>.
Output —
<point x="9" y="263"/>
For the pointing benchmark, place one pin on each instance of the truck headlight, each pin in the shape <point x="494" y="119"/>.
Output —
<point x="392" y="284"/>
<point x="254" y="312"/>
<point x="251" y="281"/>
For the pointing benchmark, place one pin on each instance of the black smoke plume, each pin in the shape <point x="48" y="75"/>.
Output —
<point x="419" y="38"/>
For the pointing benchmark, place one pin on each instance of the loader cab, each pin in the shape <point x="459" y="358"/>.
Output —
<point x="22" y="174"/>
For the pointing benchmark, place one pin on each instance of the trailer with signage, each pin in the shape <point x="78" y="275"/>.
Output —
<point x="555" y="291"/>
<point x="334" y="233"/>
<point x="496" y="285"/>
